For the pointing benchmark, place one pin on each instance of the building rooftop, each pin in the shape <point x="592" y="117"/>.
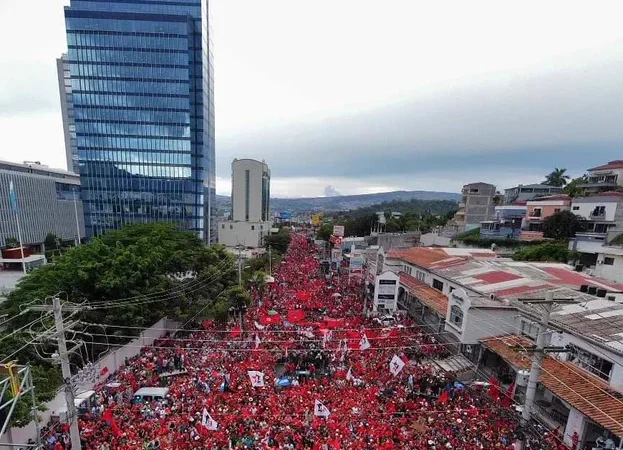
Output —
<point x="431" y="297"/>
<point x="36" y="168"/>
<point x="437" y="258"/>
<point x="596" y="318"/>
<point x="534" y="186"/>
<point x="616" y="164"/>
<point x="609" y="196"/>
<point x="584" y="391"/>
<point x="550" y="198"/>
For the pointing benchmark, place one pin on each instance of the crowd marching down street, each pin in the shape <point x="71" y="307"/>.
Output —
<point x="306" y="370"/>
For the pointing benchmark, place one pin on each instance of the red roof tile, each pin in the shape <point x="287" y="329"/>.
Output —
<point x="431" y="297"/>
<point x="497" y="277"/>
<point x="427" y="258"/>
<point x="617" y="164"/>
<point x="584" y="391"/>
<point x="576" y="279"/>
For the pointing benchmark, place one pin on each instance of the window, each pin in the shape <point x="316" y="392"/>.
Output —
<point x="556" y="210"/>
<point x="252" y="227"/>
<point x="438" y="284"/>
<point x="576" y="208"/>
<point x="420" y="275"/>
<point x="231" y="227"/>
<point x="590" y="362"/>
<point x="223" y="226"/>
<point x="608" y="261"/>
<point x="456" y="316"/>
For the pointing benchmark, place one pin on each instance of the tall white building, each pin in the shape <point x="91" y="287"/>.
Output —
<point x="250" y="194"/>
<point x="250" y="190"/>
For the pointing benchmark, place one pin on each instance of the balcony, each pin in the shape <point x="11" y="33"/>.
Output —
<point x="598" y="214"/>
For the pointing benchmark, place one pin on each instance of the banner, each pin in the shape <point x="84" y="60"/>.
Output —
<point x="303" y="296"/>
<point x="338" y="230"/>
<point x="208" y="422"/>
<point x="320" y="410"/>
<point x="257" y="378"/>
<point x="364" y="344"/>
<point x="396" y="365"/>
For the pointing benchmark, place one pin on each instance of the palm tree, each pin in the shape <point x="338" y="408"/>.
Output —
<point x="259" y="280"/>
<point x="557" y="178"/>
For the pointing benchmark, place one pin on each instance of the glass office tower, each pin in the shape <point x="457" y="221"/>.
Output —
<point x="143" y="102"/>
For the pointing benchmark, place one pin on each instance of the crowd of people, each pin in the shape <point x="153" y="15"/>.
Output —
<point x="306" y="370"/>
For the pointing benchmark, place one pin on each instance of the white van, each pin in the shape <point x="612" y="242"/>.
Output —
<point x="149" y="394"/>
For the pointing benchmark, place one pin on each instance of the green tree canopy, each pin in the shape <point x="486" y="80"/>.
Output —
<point x="550" y="251"/>
<point x="557" y="177"/>
<point x="279" y="241"/>
<point x="562" y="225"/>
<point x="573" y="188"/>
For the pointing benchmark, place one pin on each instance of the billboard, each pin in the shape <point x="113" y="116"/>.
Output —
<point x="338" y="230"/>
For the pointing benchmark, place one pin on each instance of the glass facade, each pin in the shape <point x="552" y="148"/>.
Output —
<point x="142" y="93"/>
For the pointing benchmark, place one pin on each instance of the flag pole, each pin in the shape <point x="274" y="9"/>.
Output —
<point x="21" y="245"/>
<point x="13" y="199"/>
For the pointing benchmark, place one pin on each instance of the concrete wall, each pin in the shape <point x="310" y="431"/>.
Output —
<point x="610" y="272"/>
<point x="585" y="208"/>
<point x="249" y="234"/>
<point x="112" y="361"/>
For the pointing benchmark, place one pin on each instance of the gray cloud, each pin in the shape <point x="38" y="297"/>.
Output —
<point x="330" y="191"/>
<point x="568" y="118"/>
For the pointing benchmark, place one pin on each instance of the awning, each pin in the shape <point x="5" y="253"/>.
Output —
<point x="586" y="392"/>
<point x="431" y="297"/>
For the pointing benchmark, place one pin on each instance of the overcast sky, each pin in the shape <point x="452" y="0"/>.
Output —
<point x="355" y="96"/>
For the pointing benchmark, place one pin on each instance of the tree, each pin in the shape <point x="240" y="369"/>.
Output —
<point x="573" y="188"/>
<point x="11" y="242"/>
<point x="562" y="225"/>
<point x="557" y="178"/>
<point x="51" y="241"/>
<point x="325" y="231"/>
<point x="279" y="241"/>
<point x="258" y="279"/>
<point x="550" y="251"/>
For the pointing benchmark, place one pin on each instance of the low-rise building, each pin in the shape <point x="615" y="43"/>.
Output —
<point x="606" y="177"/>
<point x="507" y="222"/>
<point x="48" y="201"/>
<point x="522" y="193"/>
<point x="603" y="213"/>
<point x="540" y="209"/>
<point x="476" y="205"/>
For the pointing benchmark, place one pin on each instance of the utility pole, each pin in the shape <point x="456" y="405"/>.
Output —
<point x="539" y="352"/>
<point x="69" y="390"/>
<point x="239" y="266"/>
<point x="270" y="261"/>
<point x="63" y="353"/>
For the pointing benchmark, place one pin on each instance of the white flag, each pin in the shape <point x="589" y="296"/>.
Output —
<point x="364" y="344"/>
<point x="208" y="422"/>
<point x="257" y="378"/>
<point x="320" y="410"/>
<point x="396" y="365"/>
<point x="259" y="327"/>
<point x="349" y="374"/>
<point x="258" y="341"/>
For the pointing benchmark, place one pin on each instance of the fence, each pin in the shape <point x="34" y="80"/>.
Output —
<point x="112" y="361"/>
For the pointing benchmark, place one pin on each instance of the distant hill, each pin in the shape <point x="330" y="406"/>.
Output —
<point x="345" y="202"/>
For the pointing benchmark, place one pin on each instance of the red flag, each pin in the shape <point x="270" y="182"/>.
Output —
<point x="296" y="315"/>
<point x="444" y="397"/>
<point x="108" y="417"/>
<point x="236" y="331"/>
<point x="507" y="400"/>
<point x="494" y="388"/>
<point x="104" y="371"/>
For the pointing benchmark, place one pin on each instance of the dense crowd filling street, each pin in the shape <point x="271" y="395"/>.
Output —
<point x="304" y="369"/>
